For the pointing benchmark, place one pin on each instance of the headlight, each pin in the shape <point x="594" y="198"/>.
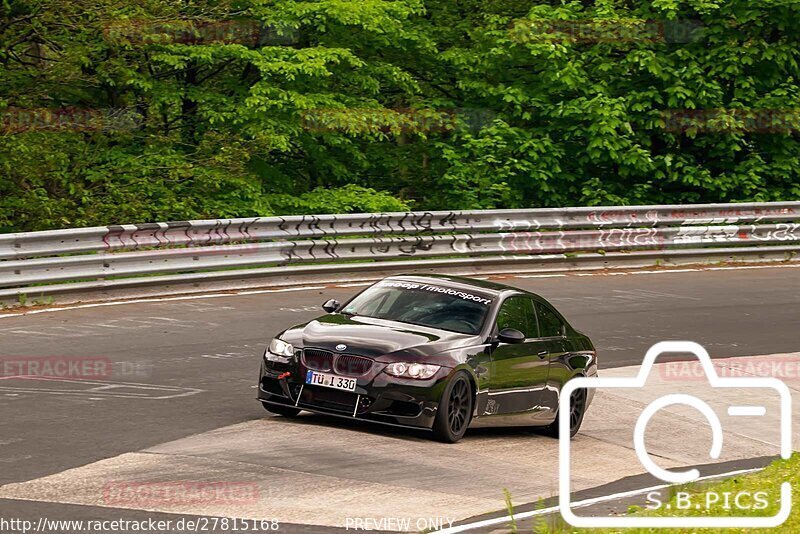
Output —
<point x="280" y="348"/>
<point x="419" y="371"/>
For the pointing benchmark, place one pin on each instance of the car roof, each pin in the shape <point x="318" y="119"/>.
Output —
<point x="460" y="282"/>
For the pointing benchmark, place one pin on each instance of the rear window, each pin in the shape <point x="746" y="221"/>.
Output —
<point x="422" y="304"/>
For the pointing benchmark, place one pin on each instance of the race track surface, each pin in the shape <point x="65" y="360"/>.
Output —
<point x="179" y="399"/>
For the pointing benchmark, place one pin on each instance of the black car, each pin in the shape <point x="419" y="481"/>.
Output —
<point x="437" y="352"/>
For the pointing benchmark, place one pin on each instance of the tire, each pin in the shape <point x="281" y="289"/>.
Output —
<point x="578" y="409"/>
<point x="286" y="411"/>
<point x="455" y="409"/>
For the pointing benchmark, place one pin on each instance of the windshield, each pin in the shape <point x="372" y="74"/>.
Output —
<point x="422" y="304"/>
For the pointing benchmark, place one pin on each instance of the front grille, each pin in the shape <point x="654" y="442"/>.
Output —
<point x="318" y="360"/>
<point x="349" y="365"/>
<point x="342" y="364"/>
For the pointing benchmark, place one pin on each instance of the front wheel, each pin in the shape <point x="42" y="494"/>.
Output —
<point x="277" y="409"/>
<point x="577" y="409"/>
<point x="455" y="410"/>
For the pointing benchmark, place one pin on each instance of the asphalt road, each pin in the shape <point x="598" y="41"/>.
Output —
<point x="183" y="367"/>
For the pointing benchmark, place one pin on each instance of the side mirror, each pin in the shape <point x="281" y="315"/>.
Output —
<point x="331" y="305"/>
<point x="510" y="335"/>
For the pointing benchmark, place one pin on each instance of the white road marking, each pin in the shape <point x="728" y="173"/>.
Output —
<point x="227" y="355"/>
<point x="667" y="271"/>
<point x="93" y="388"/>
<point x="752" y="267"/>
<point x="15" y="459"/>
<point x="302" y="309"/>
<point x="162" y="299"/>
<point x="579" y="504"/>
<point x="101" y="328"/>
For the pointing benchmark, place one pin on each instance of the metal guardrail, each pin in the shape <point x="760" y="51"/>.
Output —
<point x="40" y="263"/>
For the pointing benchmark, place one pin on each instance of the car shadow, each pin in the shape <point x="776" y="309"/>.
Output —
<point x="409" y="434"/>
<point x="366" y="427"/>
<point x="509" y="431"/>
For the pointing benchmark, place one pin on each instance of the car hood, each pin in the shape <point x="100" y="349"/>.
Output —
<point x="376" y="338"/>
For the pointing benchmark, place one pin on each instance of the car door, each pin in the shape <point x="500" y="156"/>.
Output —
<point x="552" y="328"/>
<point x="519" y="371"/>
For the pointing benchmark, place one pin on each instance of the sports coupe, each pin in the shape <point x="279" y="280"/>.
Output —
<point x="438" y="352"/>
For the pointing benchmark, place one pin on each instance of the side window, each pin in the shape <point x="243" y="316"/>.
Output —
<point x="549" y="323"/>
<point x="517" y="313"/>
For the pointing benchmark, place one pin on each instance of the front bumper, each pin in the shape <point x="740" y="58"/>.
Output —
<point x="378" y="397"/>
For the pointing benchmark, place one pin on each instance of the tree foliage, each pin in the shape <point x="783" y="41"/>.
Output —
<point x="117" y="112"/>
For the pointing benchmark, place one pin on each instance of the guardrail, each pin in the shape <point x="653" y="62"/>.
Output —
<point x="62" y="261"/>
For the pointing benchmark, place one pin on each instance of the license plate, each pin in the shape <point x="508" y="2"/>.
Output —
<point x="330" y="381"/>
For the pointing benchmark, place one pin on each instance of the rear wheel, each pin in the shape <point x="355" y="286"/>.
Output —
<point x="577" y="405"/>
<point x="286" y="411"/>
<point x="455" y="410"/>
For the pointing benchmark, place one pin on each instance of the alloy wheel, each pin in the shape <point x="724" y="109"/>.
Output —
<point x="458" y="406"/>
<point x="577" y="404"/>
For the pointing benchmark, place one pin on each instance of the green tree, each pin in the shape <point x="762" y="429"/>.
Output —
<point x="256" y="107"/>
